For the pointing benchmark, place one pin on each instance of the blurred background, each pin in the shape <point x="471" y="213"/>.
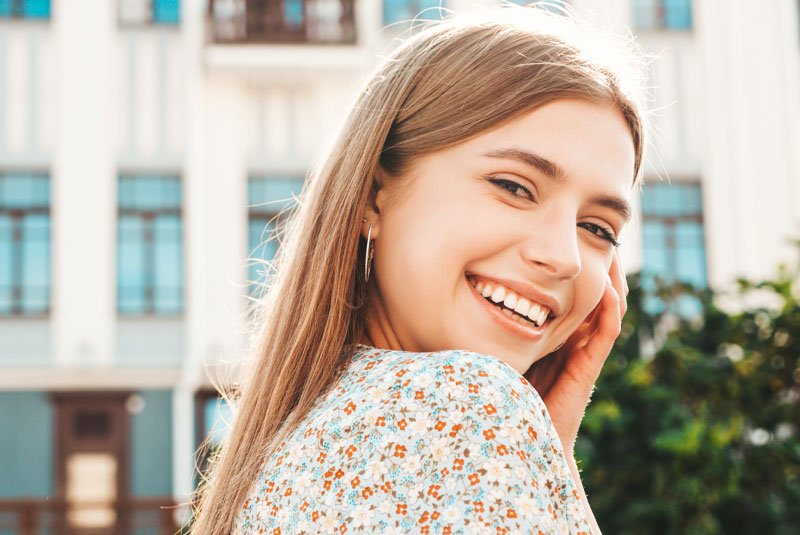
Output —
<point x="145" y="146"/>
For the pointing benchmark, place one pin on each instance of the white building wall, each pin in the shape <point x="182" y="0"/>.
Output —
<point x="750" y="169"/>
<point x="83" y="186"/>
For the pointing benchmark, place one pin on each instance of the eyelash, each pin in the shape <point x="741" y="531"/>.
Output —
<point x="510" y="186"/>
<point x="605" y="233"/>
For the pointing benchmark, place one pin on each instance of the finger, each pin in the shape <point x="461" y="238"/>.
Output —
<point x="608" y="326"/>
<point x="618" y="282"/>
<point x="622" y="272"/>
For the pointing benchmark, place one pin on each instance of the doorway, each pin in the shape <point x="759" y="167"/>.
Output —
<point x="91" y="460"/>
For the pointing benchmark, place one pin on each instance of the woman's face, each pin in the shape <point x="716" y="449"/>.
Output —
<point x="529" y="209"/>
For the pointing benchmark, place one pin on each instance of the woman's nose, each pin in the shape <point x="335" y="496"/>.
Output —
<point x="553" y="248"/>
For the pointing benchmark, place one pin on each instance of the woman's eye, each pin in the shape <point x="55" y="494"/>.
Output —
<point x="516" y="189"/>
<point x="601" y="232"/>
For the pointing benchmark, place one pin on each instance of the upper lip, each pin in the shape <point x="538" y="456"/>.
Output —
<point x="525" y="290"/>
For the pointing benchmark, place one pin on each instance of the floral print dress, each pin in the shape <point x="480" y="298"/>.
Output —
<point x="451" y="442"/>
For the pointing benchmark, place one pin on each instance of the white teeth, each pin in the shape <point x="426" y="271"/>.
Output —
<point x="542" y="317"/>
<point x="499" y="294"/>
<point x="487" y="290"/>
<point x="511" y="300"/>
<point x="534" y="312"/>
<point x="523" y="306"/>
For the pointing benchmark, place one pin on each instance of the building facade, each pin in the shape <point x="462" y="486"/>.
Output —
<point x="145" y="146"/>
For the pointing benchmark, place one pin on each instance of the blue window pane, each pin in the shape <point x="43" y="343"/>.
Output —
<point x="149" y="193"/>
<point x="37" y="8"/>
<point x="669" y="14"/>
<point x="166" y="11"/>
<point x="678" y="14"/>
<point x="267" y="197"/>
<point x="131" y="264"/>
<point x="690" y="253"/>
<point x="293" y="12"/>
<point x="126" y="192"/>
<point x="272" y="194"/>
<point x="691" y="199"/>
<point x="256" y="192"/>
<point x="36" y="263"/>
<point x="217" y="417"/>
<point x="171" y="193"/>
<point x="261" y="249"/>
<point x="6" y="264"/>
<point x="26" y="8"/>
<point x="554" y="6"/>
<point x="656" y="254"/>
<point x="406" y="10"/>
<point x="168" y="264"/>
<point x="261" y="244"/>
<point x="24" y="243"/>
<point x="149" y="250"/>
<point x="18" y="191"/>
<point x="674" y="243"/>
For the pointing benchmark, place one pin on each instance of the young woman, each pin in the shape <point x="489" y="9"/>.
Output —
<point x="445" y="297"/>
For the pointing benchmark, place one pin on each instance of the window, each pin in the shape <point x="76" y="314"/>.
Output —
<point x="554" y="6"/>
<point x="29" y="9"/>
<point x="149" y="11"/>
<point x="213" y="419"/>
<point x="662" y="14"/>
<point x="24" y="244"/>
<point x="149" y="245"/>
<point x="283" y="21"/>
<point x="266" y="198"/>
<point x="674" y="241"/>
<point x="395" y="11"/>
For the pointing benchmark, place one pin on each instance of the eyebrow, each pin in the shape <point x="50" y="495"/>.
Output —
<point x="553" y="171"/>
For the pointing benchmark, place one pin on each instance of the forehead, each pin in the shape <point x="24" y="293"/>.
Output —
<point x="589" y="142"/>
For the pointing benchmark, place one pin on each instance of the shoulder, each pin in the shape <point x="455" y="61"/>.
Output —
<point x="462" y="379"/>
<point x="452" y="395"/>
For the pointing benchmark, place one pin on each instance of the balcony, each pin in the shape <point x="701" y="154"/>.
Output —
<point x="315" y="22"/>
<point x="141" y="516"/>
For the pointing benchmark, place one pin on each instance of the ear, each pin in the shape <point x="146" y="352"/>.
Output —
<point x="376" y="202"/>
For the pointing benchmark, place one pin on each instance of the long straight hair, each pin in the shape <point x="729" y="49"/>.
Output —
<point x="450" y="81"/>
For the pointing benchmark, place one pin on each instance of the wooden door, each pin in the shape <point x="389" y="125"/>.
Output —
<point x="92" y="461"/>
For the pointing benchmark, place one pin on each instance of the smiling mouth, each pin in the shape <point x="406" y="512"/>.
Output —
<point x="516" y="307"/>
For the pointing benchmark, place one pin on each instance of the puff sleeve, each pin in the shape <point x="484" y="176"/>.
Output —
<point x="445" y="443"/>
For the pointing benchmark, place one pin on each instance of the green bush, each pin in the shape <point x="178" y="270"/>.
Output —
<point x="701" y="437"/>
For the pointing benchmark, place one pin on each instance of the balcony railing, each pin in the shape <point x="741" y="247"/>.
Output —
<point x="139" y="516"/>
<point x="283" y="21"/>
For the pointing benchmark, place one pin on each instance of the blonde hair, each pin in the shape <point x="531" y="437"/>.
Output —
<point x="450" y="81"/>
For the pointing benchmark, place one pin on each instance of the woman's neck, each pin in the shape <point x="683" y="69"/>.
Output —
<point x="379" y="332"/>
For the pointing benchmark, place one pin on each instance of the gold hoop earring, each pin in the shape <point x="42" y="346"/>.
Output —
<point x="368" y="253"/>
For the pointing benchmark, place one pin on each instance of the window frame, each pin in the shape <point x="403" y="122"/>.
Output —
<point x="428" y="12"/>
<point x="151" y="21"/>
<point x="18" y="268"/>
<point x="266" y="211"/>
<point x="658" y="12"/>
<point x="670" y="223"/>
<point x="149" y="309"/>
<point x="17" y="12"/>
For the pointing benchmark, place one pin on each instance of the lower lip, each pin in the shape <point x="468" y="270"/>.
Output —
<point x="523" y="331"/>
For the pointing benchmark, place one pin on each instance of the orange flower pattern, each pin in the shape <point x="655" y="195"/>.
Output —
<point x="451" y="442"/>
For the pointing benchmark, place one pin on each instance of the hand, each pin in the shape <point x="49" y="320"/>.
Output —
<point x="565" y="378"/>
